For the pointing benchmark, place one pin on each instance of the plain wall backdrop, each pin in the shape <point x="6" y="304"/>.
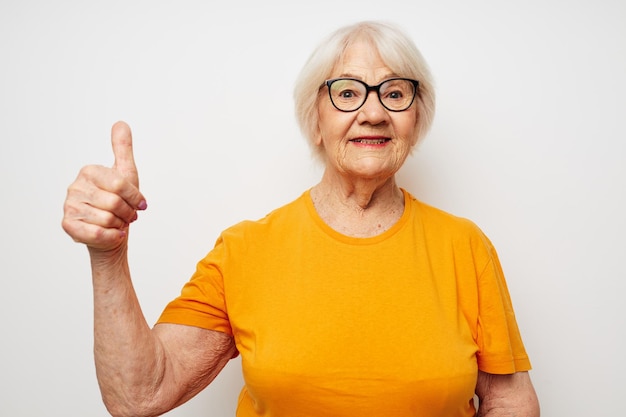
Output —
<point x="529" y="141"/>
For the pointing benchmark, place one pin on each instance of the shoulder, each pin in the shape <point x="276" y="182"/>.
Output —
<point x="429" y="216"/>
<point x="280" y="218"/>
<point x="449" y="230"/>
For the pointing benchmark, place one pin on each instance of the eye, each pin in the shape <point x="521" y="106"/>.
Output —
<point x="394" y="95"/>
<point x="346" y="90"/>
<point x="347" y="93"/>
<point x="397" y="91"/>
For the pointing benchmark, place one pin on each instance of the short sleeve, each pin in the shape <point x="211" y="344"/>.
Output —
<point x="201" y="302"/>
<point x="501" y="350"/>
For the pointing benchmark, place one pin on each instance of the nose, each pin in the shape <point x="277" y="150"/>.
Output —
<point x="372" y="111"/>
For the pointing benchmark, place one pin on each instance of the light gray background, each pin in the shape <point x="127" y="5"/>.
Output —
<point x="529" y="142"/>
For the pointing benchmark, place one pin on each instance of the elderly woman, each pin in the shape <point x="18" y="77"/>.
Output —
<point x="355" y="299"/>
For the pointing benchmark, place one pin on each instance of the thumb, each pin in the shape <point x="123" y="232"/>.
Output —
<point x="122" y="143"/>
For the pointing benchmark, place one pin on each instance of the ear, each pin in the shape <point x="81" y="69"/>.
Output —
<point x="318" y="140"/>
<point x="317" y="136"/>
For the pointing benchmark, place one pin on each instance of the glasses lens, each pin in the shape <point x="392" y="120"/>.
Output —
<point x="397" y="95"/>
<point x="347" y="95"/>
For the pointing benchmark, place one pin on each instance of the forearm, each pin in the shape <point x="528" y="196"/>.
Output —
<point x="130" y="363"/>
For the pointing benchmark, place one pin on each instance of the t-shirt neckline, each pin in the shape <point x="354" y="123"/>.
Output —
<point x="332" y="233"/>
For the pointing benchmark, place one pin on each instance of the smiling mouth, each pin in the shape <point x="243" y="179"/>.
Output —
<point x="370" y="141"/>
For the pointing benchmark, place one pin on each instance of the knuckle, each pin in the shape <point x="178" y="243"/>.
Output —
<point x="66" y="224"/>
<point x="117" y="207"/>
<point x="118" y="184"/>
<point x="112" y="221"/>
<point x="88" y="171"/>
<point x="70" y="212"/>
<point x="74" y="188"/>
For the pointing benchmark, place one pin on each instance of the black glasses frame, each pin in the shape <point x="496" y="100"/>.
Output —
<point x="369" y="88"/>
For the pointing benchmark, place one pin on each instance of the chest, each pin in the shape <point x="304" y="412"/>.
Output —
<point x="334" y="332"/>
<point x="391" y="312"/>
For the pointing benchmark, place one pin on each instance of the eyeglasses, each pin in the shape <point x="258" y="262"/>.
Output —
<point x="349" y="94"/>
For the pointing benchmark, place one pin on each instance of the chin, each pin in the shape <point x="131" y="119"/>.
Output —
<point x="372" y="172"/>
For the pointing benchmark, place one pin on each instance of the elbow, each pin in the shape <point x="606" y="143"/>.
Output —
<point x="132" y="406"/>
<point x="117" y="410"/>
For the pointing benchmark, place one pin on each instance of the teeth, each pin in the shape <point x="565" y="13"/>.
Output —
<point x="371" y="141"/>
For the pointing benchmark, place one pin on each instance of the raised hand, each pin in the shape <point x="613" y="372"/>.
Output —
<point x="102" y="202"/>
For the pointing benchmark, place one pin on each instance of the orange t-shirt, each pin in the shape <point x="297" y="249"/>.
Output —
<point x="329" y="325"/>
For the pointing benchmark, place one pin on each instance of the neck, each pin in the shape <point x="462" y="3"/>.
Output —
<point x="358" y="207"/>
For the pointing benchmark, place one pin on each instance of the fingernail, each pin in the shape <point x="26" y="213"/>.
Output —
<point x="142" y="205"/>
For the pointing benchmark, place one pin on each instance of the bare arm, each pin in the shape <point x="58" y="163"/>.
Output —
<point x="141" y="371"/>
<point x="144" y="372"/>
<point x="510" y="395"/>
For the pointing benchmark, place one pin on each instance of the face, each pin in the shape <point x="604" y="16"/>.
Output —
<point x="371" y="142"/>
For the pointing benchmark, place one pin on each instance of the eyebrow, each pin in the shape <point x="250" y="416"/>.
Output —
<point x="349" y="75"/>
